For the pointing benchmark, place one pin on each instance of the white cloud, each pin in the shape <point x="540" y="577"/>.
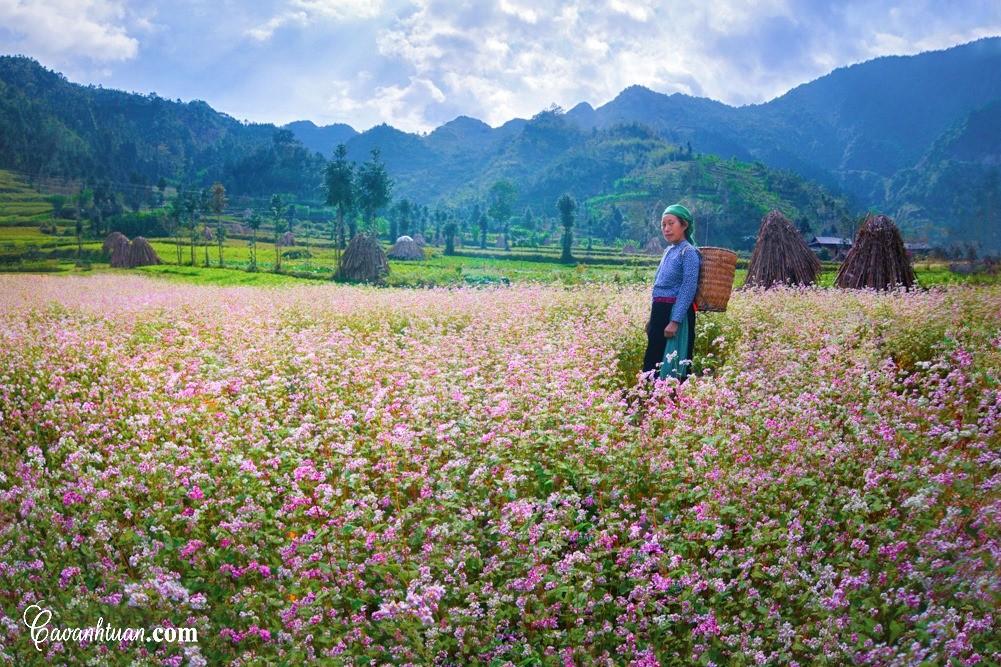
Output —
<point x="511" y="58"/>
<point x="419" y="63"/>
<point x="305" y="12"/>
<point x="884" y="44"/>
<point x="562" y="52"/>
<point x="634" y="10"/>
<point x="526" y="14"/>
<point x="59" y="31"/>
<point x="402" y="106"/>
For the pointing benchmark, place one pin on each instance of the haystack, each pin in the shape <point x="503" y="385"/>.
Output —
<point x="287" y="239"/>
<point x="780" y="255"/>
<point x="655" y="246"/>
<point x="363" y="260"/>
<point x="117" y="246"/>
<point x="141" y="253"/>
<point x="406" y="248"/>
<point x="877" y="259"/>
<point x="629" y="249"/>
<point x="420" y="240"/>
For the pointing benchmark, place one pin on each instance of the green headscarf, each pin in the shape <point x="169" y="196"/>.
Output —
<point x="684" y="214"/>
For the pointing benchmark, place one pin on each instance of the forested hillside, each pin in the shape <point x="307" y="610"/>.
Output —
<point x="866" y="134"/>
<point x="51" y="127"/>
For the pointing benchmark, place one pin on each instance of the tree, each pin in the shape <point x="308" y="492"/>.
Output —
<point x="104" y="205"/>
<point x="528" y="220"/>
<point x="82" y="198"/>
<point x="374" y="188"/>
<point x="439" y="219"/>
<point x="220" y="239"/>
<point x="341" y="191"/>
<point x="161" y="192"/>
<point x="136" y="194"/>
<point x="500" y="202"/>
<point x="450" y="229"/>
<point x="255" y="223"/>
<point x="479" y="219"/>
<point x="290" y="220"/>
<point x="404" y="211"/>
<point x="590" y="231"/>
<point x="207" y="237"/>
<point x="423" y="219"/>
<point x="175" y="214"/>
<point x="218" y="205"/>
<point x="306" y="219"/>
<point x="614" y="224"/>
<point x="566" y="206"/>
<point x="278" y="219"/>
<point x="192" y="207"/>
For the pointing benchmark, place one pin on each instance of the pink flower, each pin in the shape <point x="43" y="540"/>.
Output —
<point x="67" y="574"/>
<point x="72" y="498"/>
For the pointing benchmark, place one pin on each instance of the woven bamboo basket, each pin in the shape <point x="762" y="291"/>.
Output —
<point x="718" y="268"/>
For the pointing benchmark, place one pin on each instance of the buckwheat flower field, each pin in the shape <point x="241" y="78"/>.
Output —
<point x="471" y="476"/>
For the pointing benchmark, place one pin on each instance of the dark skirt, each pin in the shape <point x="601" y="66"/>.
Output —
<point x="660" y="317"/>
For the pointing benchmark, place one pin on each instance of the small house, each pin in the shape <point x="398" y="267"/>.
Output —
<point x="836" y="246"/>
<point x="918" y="249"/>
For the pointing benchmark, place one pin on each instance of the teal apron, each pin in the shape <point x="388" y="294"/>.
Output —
<point x="674" y="363"/>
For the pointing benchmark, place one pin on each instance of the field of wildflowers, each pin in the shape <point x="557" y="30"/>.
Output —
<point x="471" y="476"/>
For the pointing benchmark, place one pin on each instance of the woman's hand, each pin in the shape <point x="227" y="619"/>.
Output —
<point x="670" y="330"/>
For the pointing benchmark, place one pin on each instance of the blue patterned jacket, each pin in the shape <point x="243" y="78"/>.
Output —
<point x="678" y="276"/>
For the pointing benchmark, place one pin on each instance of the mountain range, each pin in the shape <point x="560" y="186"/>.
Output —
<point x="913" y="136"/>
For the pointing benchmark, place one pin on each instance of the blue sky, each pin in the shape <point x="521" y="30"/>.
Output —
<point x="418" y="64"/>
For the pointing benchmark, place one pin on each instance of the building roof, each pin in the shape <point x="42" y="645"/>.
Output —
<point x="830" y="240"/>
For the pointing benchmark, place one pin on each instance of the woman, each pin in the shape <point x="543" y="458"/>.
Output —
<point x="671" y="329"/>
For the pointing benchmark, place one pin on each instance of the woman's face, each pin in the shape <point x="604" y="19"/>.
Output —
<point x="673" y="228"/>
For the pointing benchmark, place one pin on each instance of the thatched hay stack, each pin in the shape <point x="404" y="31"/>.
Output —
<point x="113" y="239"/>
<point x="780" y="255"/>
<point x="117" y="247"/>
<point x="629" y="249"/>
<point x="406" y="248"/>
<point x="141" y="253"/>
<point x="363" y="260"/>
<point x="420" y="240"/>
<point x="287" y="239"/>
<point x="655" y="246"/>
<point x="877" y="259"/>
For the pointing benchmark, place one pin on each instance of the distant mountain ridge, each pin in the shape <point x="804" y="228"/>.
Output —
<point x="323" y="139"/>
<point x="854" y="130"/>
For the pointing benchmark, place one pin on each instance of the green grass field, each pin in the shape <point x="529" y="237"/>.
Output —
<point x="24" y="247"/>
<point x="21" y="204"/>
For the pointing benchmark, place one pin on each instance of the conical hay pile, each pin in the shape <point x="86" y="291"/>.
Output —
<point x="117" y="246"/>
<point x="420" y="240"/>
<point x="629" y="249"/>
<point x="406" y="248"/>
<point x="780" y="255"/>
<point x="141" y="253"/>
<point x="877" y="259"/>
<point x="363" y="260"/>
<point x="654" y="246"/>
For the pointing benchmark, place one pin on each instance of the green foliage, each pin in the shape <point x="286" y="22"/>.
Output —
<point x="48" y="126"/>
<point x="501" y="200"/>
<point x="566" y="206"/>
<point x="374" y="187"/>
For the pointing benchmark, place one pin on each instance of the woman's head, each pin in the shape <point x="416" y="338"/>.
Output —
<point x="677" y="223"/>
